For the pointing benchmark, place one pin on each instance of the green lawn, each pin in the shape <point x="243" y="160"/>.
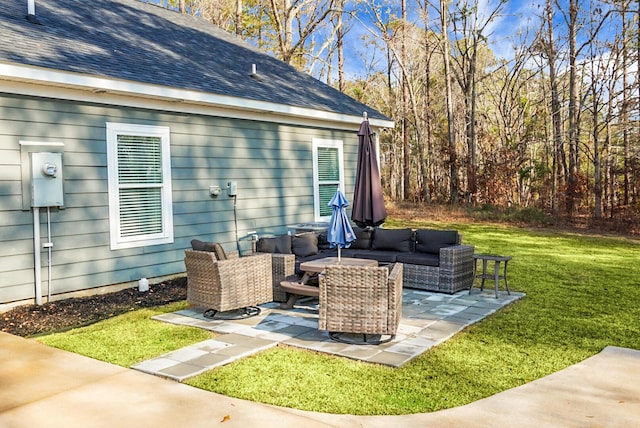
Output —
<point x="129" y="338"/>
<point x="582" y="294"/>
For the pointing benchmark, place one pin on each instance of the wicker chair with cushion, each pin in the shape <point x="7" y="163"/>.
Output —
<point x="361" y="300"/>
<point x="234" y="283"/>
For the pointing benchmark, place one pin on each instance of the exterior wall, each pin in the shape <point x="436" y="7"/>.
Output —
<point x="272" y="164"/>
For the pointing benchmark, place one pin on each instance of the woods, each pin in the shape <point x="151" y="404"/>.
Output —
<point x="495" y="103"/>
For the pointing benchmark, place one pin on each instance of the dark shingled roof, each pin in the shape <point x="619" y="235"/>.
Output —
<point x="135" y="41"/>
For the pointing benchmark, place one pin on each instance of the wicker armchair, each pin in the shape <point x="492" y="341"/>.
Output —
<point x="362" y="300"/>
<point x="283" y="266"/>
<point x="227" y="285"/>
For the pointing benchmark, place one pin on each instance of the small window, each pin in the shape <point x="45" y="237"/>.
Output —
<point x="139" y="172"/>
<point x="328" y="173"/>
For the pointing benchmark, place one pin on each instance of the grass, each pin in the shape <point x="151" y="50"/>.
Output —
<point x="582" y="295"/>
<point x="129" y="338"/>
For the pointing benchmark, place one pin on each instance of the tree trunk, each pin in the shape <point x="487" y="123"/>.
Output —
<point x="406" y="134"/>
<point x="572" y="182"/>
<point x="425" y="149"/>
<point x="597" y="174"/>
<point x="453" y="160"/>
<point x="624" y="114"/>
<point x="555" y="112"/>
<point x="340" y="43"/>
<point x="239" y="18"/>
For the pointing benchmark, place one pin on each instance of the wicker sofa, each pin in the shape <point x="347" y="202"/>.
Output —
<point x="433" y="260"/>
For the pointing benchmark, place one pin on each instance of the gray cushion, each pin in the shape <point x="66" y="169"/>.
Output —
<point x="423" y="259"/>
<point x="363" y="239"/>
<point x="323" y="244"/>
<point x="392" y="239"/>
<point x="199" y="245"/>
<point x="211" y="247"/>
<point x="279" y="245"/>
<point x="430" y="241"/>
<point x="381" y="256"/>
<point x="305" y="244"/>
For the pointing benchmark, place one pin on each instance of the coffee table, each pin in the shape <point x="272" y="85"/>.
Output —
<point x="296" y="289"/>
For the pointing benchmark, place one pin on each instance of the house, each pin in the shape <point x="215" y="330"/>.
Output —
<point x="127" y="130"/>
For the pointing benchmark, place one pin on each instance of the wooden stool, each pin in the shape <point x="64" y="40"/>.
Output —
<point x="496" y="270"/>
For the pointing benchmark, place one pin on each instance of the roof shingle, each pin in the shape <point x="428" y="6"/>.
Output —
<point x="131" y="40"/>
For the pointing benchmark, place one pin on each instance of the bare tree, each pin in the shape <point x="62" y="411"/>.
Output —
<point x="451" y="132"/>
<point x="239" y="17"/>
<point x="471" y="25"/>
<point x="404" y="82"/>
<point x="601" y="72"/>
<point x="574" y="24"/>
<point x="286" y="13"/>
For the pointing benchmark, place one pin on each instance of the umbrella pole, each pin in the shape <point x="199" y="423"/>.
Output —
<point x="338" y="253"/>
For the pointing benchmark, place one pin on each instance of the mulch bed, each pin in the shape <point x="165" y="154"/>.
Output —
<point x="32" y="320"/>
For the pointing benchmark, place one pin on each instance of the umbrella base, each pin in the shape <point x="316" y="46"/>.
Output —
<point x="237" y="314"/>
<point x="360" y="339"/>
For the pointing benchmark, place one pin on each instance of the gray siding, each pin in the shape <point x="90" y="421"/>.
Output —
<point x="272" y="164"/>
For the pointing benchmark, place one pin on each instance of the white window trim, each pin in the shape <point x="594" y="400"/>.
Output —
<point x="166" y="236"/>
<point x="317" y="143"/>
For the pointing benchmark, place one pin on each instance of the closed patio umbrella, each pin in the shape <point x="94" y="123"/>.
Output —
<point x="368" y="202"/>
<point x="340" y="233"/>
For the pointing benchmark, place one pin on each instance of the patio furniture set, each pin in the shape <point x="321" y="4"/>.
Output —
<point x="360" y="294"/>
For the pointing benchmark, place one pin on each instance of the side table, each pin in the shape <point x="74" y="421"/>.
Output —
<point x="486" y="258"/>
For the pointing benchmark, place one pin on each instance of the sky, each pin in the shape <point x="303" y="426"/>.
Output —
<point x="517" y="22"/>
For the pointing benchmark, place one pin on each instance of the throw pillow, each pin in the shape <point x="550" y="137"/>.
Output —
<point x="430" y="241"/>
<point x="305" y="244"/>
<point x="363" y="239"/>
<point x="392" y="240"/>
<point x="279" y="245"/>
<point x="199" y="245"/>
<point x="323" y="244"/>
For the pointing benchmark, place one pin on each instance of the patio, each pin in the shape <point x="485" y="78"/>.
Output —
<point x="428" y="319"/>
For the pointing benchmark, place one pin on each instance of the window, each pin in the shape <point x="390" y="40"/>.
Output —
<point x="328" y="173"/>
<point x="139" y="173"/>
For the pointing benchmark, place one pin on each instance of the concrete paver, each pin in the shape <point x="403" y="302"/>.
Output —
<point x="427" y="319"/>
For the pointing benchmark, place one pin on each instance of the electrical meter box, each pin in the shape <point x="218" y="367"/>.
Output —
<point x="46" y="180"/>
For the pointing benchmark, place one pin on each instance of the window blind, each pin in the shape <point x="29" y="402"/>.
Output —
<point x="328" y="177"/>
<point x="140" y="184"/>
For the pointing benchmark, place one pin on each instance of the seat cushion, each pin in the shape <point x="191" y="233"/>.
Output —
<point x="379" y="255"/>
<point x="392" y="240"/>
<point x="422" y="259"/>
<point x="431" y="241"/>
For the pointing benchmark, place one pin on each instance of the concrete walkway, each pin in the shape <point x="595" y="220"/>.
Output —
<point x="46" y="387"/>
